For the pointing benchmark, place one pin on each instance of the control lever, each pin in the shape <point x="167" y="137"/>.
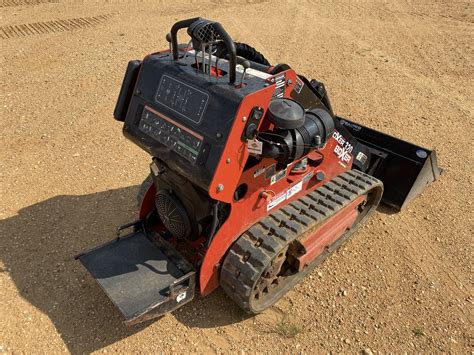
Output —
<point x="246" y="64"/>
<point x="217" y="68"/>
<point x="187" y="49"/>
<point x="168" y="39"/>
<point x="203" y="59"/>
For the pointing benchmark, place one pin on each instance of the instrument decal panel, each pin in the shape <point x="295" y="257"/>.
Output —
<point x="176" y="137"/>
<point x="183" y="99"/>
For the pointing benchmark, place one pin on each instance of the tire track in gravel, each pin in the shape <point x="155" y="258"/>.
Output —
<point x="52" y="26"/>
<point x="13" y="3"/>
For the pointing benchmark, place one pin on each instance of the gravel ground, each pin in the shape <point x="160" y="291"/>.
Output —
<point x="403" y="283"/>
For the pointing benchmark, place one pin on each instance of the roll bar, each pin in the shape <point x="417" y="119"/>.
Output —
<point x="219" y="30"/>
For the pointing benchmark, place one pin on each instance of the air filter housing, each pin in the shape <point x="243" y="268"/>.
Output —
<point x="286" y="113"/>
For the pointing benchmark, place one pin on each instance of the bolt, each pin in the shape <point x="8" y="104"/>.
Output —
<point x="220" y="187"/>
<point x="228" y="161"/>
<point x="219" y="135"/>
<point x="289" y="82"/>
<point x="244" y="119"/>
<point x="421" y="154"/>
<point x="138" y="92"/>
<point x="320" y="175"/>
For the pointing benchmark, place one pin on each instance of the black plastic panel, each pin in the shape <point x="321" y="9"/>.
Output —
<point x="203" y="106"/>
<point x="168" y="133"/>
<point x="139" y="278"/>
<point x="404" y="168"/>
<point x="126" y="91"/>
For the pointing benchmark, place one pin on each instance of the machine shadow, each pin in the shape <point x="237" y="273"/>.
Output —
<point x="38" y="248"/>
<point x="385" y="209"/>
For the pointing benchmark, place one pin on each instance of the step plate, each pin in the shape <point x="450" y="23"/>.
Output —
<point x="142" y="279"/>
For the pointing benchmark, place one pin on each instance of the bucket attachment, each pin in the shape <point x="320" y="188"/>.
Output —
<point x="404" y="168"/>
<point x="143" y="275"/>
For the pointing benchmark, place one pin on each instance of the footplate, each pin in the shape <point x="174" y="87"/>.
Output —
<point x="142" y="274"/>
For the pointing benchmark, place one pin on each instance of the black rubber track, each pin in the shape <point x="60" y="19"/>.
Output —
<point x="243" y="50"/>
<point x="254" y="250"/>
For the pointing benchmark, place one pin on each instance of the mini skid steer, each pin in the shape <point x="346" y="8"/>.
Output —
<point x="253" y="177"/>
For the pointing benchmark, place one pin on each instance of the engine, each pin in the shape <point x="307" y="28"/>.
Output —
<point x="184" y="209"/>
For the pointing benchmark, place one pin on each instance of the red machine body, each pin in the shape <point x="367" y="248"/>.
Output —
<point x="261" y="192"/>
<point x="251" y="171"/>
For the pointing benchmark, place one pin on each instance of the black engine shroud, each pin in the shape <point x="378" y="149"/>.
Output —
<point x="183" y="117"/>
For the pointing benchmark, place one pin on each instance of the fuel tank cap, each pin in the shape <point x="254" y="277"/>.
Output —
<point x="286" y="113"/>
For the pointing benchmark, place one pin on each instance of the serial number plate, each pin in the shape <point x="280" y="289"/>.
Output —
<point x="181" y="98"/>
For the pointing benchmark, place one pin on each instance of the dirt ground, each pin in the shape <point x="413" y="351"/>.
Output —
<point x="403" y="283"/>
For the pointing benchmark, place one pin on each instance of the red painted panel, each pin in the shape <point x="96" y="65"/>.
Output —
<point x="329" y="232"/>
<point x="148" y="202"/>
<point x="253" y="207"/>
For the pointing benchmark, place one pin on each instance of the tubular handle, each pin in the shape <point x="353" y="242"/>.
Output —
<point x="229" y="43"/>
<point x="174" y="30"/>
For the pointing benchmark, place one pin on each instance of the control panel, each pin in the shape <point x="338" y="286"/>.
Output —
<point x="173" y="135"/>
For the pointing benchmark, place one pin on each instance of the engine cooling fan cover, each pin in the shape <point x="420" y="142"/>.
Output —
<point x="173" y="214"/>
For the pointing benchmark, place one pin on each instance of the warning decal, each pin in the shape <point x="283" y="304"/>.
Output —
<point x="278" y="176"/>
<point x="285" y="195"/>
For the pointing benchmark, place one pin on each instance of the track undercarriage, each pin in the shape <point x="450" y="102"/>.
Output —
<point x="272" y="256"/>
